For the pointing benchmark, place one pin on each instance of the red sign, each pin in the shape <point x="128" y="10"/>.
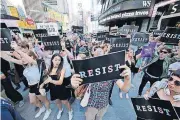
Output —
<point x="29" y="21"/>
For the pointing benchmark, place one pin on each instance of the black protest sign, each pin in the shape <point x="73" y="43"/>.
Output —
<point x="153" y="109"/>
<point x="39" y="33"/>
<point x="51" y="43"/>
<point x="102" y="36"/>
<point x="139" y="39"/>
<point x="6" y="39"/>
<point x="157" y="33"/>
<point x="77" y="29"/>
<point x="171" y="35"/>
<point x="15" y="29"/>
<point x="3" y="25"/>
<point x="60" y="31"/>
<point x="118" y="44"/>
<point x="128" y="29"/>
<point x="102" y="68"/>
<point x="177" y="109"/>
<point x="68" y="44"/>
<point x="64" y="35"/>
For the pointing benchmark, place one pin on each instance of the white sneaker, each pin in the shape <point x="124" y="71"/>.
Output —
<point x="127" y="96"/>
<point x="120" y="95"/>
<point x="59" y="114"/>
<point x="70" y="114"/>
<point x="41" y="110"/>
<point x="47" y="113"/>
<point x="21" y="103"/>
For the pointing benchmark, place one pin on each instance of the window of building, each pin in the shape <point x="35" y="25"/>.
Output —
<point x="45" y="9"/>
<point x="106" y="4"/>
<point x="114" y="1"/>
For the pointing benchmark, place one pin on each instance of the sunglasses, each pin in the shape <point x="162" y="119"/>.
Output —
<point x="163" y="52"/>
<point x="176" y="82"/>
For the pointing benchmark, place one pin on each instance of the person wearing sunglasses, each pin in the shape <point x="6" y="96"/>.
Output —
<point x="167" y="89"/>
<point x="157" y="68"/>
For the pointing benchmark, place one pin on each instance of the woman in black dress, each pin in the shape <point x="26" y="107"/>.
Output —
<point x="167" y="89"/>
<point x="58" y="91"/>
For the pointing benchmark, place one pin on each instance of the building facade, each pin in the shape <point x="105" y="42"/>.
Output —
<point x="127" y="12"/>
<point x="34" y="9"/>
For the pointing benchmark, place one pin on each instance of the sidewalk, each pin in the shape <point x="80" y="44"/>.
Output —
<point x="121" y="109"/>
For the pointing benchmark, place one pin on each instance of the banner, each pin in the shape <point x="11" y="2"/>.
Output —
<point x="139" y="39"/>
<point x="102" y="36"/>
<point x="77" y="29"/>
<point x="157" y="33"/>
<point x="94" y="35"/>
<point x="127" y="5"/>
<point x="15" y="29"/>
<point x="153" y="109"/>
<point x="119" y="44"/>
<point x="51" y="43"/>
<point x="126" y="14"/>
<point x="173" y="8"/>
<point x="52" y="28"/>
<point x="39" y="33"/>
<point x="6" y="39"/>
<point x="128" y="29"/>
<point x="102" y="68"/>
<point x="171" y="35"/>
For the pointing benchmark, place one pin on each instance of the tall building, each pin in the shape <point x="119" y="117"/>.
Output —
<point x="34" y="9"/>
<point x="57" y="11"/>
<point x="60" y="6"/>
<point x="4" y="8"/>
<point x="143" y="13"/>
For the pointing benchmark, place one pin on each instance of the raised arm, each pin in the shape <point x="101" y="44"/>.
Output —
<point x="25" y="56"/>
<point x="126" y="85"/>
<point x="69" y="54"/>
<point x="7" y="57"/>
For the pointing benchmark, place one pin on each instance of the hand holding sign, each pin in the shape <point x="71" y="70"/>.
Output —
<point x="126" y="73"/>
<point x="91" y="71"/>
<point x="76" y="80"/>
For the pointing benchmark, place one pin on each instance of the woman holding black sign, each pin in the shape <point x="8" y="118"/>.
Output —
<point x="32" y="74"/>
<point x="167" y="89"/>
<point x="58" y="90"/>
<point x="97" y="106"/>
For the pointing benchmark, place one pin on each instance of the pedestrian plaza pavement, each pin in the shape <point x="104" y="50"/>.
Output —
<point x="121" y="109"/>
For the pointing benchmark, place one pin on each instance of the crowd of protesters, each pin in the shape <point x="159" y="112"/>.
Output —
<point x="51" y="72"/>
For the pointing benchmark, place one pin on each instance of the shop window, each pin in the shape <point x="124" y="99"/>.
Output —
<point x="144" y="25"/>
